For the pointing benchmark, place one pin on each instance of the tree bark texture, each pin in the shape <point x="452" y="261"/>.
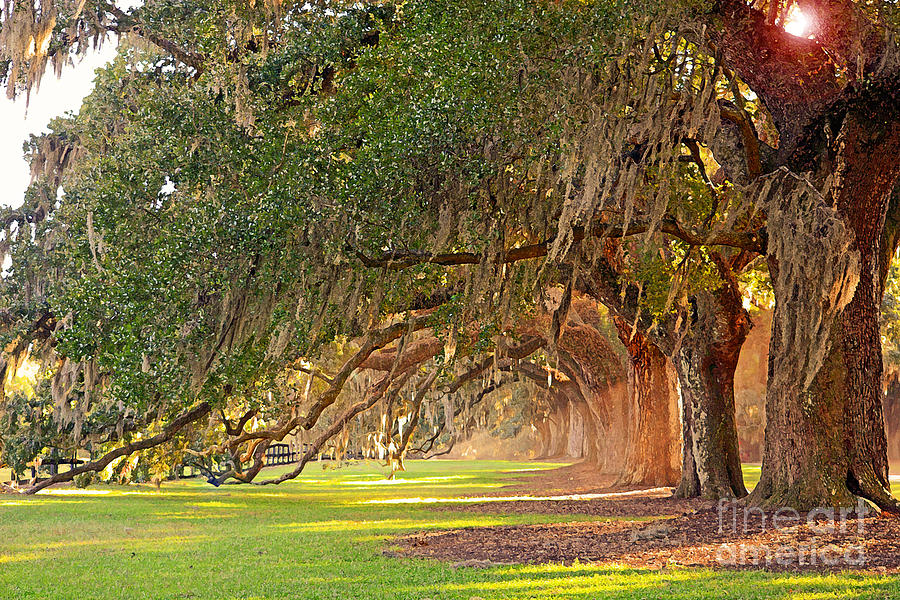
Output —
<point x="651" y="415"/>
<point x="825" y="441"/>
<point x="705" y="362"/>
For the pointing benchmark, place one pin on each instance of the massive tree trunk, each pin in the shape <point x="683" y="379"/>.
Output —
<point x="705" y="362"/>
<point x="544" y="435"/>
<point x="598" y="430"/>
<point x="558" y="426"/>
<point x="825" y="441"/>
<point x="590" y="373"/>
<point x="575" y="438"/>
<point x="651" y="415"/>
<point x="633" y="434"/>
<point x="592" y="363"/>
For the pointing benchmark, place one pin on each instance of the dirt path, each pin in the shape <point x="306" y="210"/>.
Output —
<point x="684" y="533"/>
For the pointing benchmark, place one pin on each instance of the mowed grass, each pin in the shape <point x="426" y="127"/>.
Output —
<point x="319" y="537"/>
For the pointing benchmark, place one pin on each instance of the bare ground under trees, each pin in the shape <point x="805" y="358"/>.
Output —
<point x="652" y="530"/>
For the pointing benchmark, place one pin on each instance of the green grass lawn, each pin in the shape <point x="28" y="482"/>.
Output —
<point x="317" y="538"/>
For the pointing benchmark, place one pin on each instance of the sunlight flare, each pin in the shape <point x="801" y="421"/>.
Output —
<point x="798" y="23"/>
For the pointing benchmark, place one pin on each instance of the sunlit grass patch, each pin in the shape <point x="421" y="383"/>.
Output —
<point x="526" y="498"/>
<point x="313" y="539"/>
<point x="751" y="473"/>
<point x="73" y="492"/>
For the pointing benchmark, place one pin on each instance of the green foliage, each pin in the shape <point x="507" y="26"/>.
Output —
<point x="202" y="224"/>
<point x="83" y="480"/>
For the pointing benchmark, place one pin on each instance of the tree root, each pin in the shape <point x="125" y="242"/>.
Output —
<point x="867" y="486"/>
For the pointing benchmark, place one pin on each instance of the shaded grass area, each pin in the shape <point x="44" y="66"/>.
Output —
<point x="314" y="538"/>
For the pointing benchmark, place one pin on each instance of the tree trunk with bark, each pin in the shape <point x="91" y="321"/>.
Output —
<point x="825" y="440"/>
<point x="575" y="438"/>
<point x="543" y="435"/>
<point x="705" y="362"/>
<point x="590" y="373"/>
<point x="599" y="430"/>
<point x="833" y="99"/>
<point x="651" y="415"/>
<point x="559" y="427"/>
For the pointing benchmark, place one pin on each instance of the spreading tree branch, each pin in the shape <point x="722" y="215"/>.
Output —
<point x="374" y="395"/>
<point x="127" y="23"/>
<point x="178" y="423"/>
<point x="374" y="340"/>
<point x="398" y="260"/>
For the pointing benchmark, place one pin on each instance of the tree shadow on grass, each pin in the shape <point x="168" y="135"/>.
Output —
<point x="582" y="582"/>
